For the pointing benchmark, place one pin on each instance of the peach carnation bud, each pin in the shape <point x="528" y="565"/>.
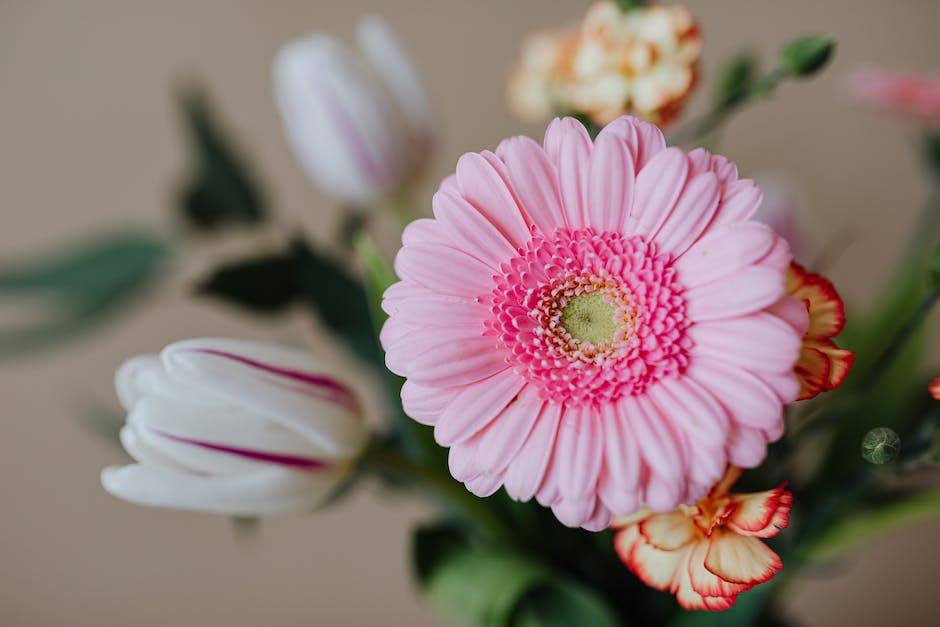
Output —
<point x="822" y="366"/>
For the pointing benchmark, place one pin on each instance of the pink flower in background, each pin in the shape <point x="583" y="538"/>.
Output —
<point x="233" y="427"/>
<point x="595" y="324"/>
<point x="902" y="91"/>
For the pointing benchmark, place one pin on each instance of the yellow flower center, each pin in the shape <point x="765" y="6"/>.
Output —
<point x="588" y="317"/>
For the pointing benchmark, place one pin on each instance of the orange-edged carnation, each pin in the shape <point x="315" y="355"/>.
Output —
<point x="822" y="365"/>
<point x="708" y="553"/>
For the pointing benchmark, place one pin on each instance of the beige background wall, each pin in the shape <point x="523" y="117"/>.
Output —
<point x="89" y="139"/>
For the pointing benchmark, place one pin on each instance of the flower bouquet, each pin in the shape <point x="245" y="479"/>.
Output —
<point x="631" y="396"/>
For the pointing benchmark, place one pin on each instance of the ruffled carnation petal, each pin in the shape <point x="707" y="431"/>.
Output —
<point x="761" y="514"/>
<point x="668" y="532"/>
<point x="741" y="559"/>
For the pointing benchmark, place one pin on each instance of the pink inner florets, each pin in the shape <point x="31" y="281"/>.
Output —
<point x="644" y="299"/>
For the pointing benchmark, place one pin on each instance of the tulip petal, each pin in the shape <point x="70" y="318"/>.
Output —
<point x="387" y="55"/>
<point x="279" y="383"/>
<point x="266" y="490"/>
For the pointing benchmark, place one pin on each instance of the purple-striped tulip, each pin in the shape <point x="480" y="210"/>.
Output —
<point x="233" y="427"/>
<point x="358" y="122"/>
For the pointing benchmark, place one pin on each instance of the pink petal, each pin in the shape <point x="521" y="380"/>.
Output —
<point x="475" y="406"/>
<point x="573" y="512"/>
<point x="610" y="184"/>
<point x="724" y="251"/>
<point x="461" y="459"/>
<point x="739" y="202"/>
<point x="573" y="163"/>
<point x="747" y="398"/>
<point x="458" y="363"/>
<point x="470" y="230"/>
<point x="643" y="139"/>
<point x="747" y="446"/>
<point x="579" y="453"/>
<point x="425" y="231"/>
<point x="485" y="189"/>
<point x="744" y="292"/>
<point x="503" y="438"/>
<point x="760" y="342"/>
<point x="659" y="448"/>
<point x="444" y="269"/>
<point x="692" y="408"/>
<point x="692" y="214"/>
<point x="793" y="312"/>
<point x="527" y="469"/>
<point x="619" y="483"/>
<point x="428" y="309"/>
<point x="425" y="404"/>
<point x="535" y="181"/>
<point x="658" y="187"/>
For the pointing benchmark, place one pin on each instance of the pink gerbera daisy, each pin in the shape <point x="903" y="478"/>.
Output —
<point x="597" y="325"/>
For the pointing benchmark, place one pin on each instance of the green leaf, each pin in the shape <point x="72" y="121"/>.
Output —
<point x="340" y="300"/>
<point x="301" y="274"/>
<point x="264" y="284"/>
<point x="221" y="190"/>
<point x="80" y="287"/>
<point x="89" y="271"/>
<point x="482" y="587"/>
<point x="563" y="603"/>
<point x="857" y="529"/>
<point x="431" y="545"/>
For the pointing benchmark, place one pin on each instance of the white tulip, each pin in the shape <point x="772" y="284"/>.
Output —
<point x="233" y="427"/>
<point x="360" y="124"/>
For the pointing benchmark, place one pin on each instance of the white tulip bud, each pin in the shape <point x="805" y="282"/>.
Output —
<point x="360" y="124"/>
<point x="233" y="427"/>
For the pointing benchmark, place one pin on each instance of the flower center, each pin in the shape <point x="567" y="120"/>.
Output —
<point x="589" y="318"/>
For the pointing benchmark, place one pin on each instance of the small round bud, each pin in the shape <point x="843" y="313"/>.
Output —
<point x="881" y="445"/>
<point x="806" y="55"/>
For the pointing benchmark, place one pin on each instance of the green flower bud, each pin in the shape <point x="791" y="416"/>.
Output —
<point x="806" y="55"/>
<point x="880" y="446"/>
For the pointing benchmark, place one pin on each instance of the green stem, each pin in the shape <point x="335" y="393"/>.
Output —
<point x="450" y="491"/>
<point x="714" y="119"/>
